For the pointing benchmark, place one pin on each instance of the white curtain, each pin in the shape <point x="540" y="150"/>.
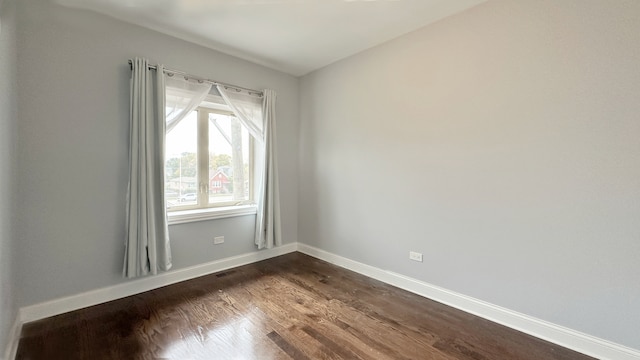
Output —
<point x="258" y="116"/>
<point x="247" y="107"/>
<point x="268" y="232"/>
<point x="147" y="248"/>
<point x="182" y="97"/>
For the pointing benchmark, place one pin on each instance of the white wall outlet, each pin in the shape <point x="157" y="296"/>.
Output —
<point x="415" y="256"/>
<point x="218" y="240"/>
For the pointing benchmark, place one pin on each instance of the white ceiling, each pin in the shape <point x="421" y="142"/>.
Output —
<point x="294" y="36"/>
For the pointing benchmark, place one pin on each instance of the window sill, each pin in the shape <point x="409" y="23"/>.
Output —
<point x="187" y="216"/>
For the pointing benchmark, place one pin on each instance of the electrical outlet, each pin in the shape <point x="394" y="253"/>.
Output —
<point x="415" y="256"/>
<point x="218" y="240"/>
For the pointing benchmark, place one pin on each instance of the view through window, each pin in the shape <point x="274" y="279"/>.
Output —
<point x="208" y="162"/>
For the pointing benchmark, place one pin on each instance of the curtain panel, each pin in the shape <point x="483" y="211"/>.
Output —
<point x="147" y="248"/>
<point x="257" y="114"/>
<point x="182" y="97"/>
<point x="268" y="231"/>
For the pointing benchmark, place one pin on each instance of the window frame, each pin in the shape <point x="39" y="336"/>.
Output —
<point x="203" y="209"/>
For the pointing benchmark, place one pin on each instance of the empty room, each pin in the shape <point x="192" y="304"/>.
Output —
<point x="320" y="179"/>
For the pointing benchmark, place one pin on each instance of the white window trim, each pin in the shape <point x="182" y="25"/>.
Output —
<point x="193" y="215"/>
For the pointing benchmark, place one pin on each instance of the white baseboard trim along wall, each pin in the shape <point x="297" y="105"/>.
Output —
<point x="568" y="338"/>
<point x="13" y="338"/>
<point x="583" y="343"/>
<point x="94" y="297"/>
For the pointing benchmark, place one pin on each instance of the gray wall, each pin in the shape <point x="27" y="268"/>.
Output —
<point x="8" y="109"/>
<point x="502" y="143"/>
<point x="72" y="154"/>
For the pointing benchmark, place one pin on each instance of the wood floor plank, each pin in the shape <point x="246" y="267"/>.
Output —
<point x="291" y="350"/>
<point x="418" y="341"/>
<point x="289" y="307"/>
<point x="295" y="308"/>
<point x="287" y="318"/>
<point x="246" y="299"/>
<point x="425" y="317"/>
<point x="327" y="317"/>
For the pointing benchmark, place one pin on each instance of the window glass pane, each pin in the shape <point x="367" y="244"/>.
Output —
<point x="181" y="165"/>
<point x="229" y="154"/>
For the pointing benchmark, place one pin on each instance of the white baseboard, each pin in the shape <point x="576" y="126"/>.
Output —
<point x="13" y="338"/>
<point x="102" y="295"/>
<point x="580" y="342"/>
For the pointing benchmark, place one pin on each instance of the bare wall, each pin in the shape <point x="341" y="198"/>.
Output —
<point x="73" y="158"/>
<point x="502" y="143"/>
<point x="8" y="120"/>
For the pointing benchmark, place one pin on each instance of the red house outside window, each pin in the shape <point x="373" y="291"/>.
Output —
<point x="218" y="184"/>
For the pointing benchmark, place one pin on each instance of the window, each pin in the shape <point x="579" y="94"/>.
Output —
<point x="208" y="161"/>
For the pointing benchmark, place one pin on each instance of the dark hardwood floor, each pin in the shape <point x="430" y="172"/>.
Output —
<point x="293" y="306"/>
